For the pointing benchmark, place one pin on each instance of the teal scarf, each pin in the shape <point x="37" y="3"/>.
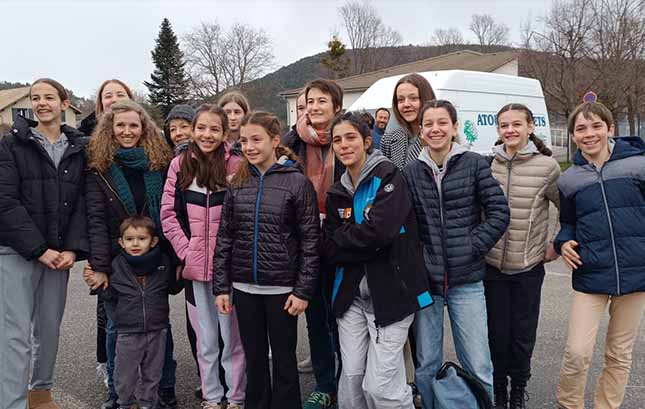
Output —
<point x="136" y="159"/>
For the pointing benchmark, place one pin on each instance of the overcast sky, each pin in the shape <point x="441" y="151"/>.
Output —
<point x="81" y="43"/>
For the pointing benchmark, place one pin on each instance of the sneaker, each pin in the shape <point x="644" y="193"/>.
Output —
<point x="110" y="403"/>
<point x="232" y="405"/>
<point x="519" y="397"/>
<point x="305" y="366"/>
<point x="319" y="400"/>
<point x="167" y="399"/>
<point x="211" y="405"/>
<point x="101" y="372"/>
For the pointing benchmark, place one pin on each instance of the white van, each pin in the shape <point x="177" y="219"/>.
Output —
<point x="476" y="95"/>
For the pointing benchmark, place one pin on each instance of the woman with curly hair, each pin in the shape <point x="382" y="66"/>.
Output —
<point x="128" y="160"/>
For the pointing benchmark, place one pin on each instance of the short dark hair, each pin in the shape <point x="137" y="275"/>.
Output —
<point x="330" y="87"/>
<point x="382" y="109"/>
<point x="587" y="109"/>
<point x="439" y="103"/>
<point x="137" y="222"/>
<point x="60" y="90"/>
<point x="367" y="118"/>
<point x="358" y="121"/>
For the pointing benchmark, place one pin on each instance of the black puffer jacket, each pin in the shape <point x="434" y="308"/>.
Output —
<point x="88" y="124"/>
<point x="455" y="236"/>
<point x="105" y="213"/>
<point x="292" y="141"/>
<point x="141" y="308"/>
<point x="270" y="233"/>
<point x="42" y="207"/>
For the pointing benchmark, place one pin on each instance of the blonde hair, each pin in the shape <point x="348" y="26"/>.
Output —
<point x="103" y="144"/>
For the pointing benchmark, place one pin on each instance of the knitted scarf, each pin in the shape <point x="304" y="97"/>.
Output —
<point x="145" y="263"/>
<point x="320" y="171"/>
<point x="136" y="159"/>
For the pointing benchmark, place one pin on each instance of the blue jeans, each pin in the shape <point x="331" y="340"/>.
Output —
<point x="468" y="321"/>
<point x="169" y="367"/>
<point x="322" y="343"/>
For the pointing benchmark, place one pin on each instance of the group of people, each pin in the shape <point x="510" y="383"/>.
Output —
<point x="372" y="239"/>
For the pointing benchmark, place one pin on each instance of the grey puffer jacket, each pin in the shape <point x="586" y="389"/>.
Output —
<point x="269" y="233"/>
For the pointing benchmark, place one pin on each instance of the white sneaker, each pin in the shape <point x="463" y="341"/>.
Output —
<point x="211" y="405"/>
<point x="305" y="366"/>
<point x="231" y="405"/>
<point x="101" y="372"/>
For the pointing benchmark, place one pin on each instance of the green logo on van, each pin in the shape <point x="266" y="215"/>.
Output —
<point x="470" y="130"/>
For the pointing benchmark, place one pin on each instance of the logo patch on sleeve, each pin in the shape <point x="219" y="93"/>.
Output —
<point x="389" y="187"/>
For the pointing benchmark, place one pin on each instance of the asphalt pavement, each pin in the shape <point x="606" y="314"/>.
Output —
<point x="77" y="385"/>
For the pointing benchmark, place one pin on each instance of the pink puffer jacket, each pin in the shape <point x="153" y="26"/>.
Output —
<point x="190" y="219"/>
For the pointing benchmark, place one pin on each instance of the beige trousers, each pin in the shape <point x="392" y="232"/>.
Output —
<point x="625" y="313"/>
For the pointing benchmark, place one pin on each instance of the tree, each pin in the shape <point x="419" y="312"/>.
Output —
<point x="487" y="31"/>
<point x="335" y="59"/>
<point x="449" y="36"/>
<point x="168" y="85"/>
<point x="367" y="34"/>
<point x="217" y="59"/>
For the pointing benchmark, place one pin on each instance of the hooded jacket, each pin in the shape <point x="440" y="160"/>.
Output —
<point x="604" y="211"/>
<point x="365" y="240"/>
<point x="292" y="141"/>
<point x="42" y="206"/>
<point x="530" y="181"/>
<point x="141" y="307"/>
<point x="190" y="219"/>
<point x="449" y="202"/>
<point x="269" y="233"/>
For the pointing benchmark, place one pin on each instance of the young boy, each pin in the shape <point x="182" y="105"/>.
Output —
<point x="142" y="276"/>
<point x="602" y="240"/>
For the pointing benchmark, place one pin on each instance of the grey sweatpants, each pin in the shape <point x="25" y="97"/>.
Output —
<point x="139" y="354"/>
<point x="373" y="374"/>
<point x="32" y="301"/>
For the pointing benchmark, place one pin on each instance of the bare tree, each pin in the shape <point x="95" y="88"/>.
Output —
<point x="447" y="36"/>
<point x="366" y="33"/>
<point x="216" y="59"/>
<point x="487" y="31"/>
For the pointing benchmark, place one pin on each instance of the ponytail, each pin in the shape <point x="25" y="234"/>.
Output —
<point x="540" y="145"/>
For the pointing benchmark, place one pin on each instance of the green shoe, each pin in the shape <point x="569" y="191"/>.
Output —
<point x="319" y="400"/>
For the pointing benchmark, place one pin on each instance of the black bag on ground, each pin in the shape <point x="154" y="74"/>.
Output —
<point x="454" y="388"/>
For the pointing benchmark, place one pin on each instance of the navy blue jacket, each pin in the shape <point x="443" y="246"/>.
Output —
<point x="455" y="236"/>
<point x="604" y="211"/>
<point x="363" y="236"/>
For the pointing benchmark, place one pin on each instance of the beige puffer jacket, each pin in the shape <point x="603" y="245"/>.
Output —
<point x="529" y="181"/>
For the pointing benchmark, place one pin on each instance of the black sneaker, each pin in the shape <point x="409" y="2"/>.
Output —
<point x="501" y="396"/>
<point x="110" y="403"/>
<point x="167" y="399"/>
<point x="519" y="397"/>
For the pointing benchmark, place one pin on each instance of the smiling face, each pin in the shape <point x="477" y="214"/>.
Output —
<point x="408" y="102"/>
<point x="320" y="108"/>
<point x="127" y="129"/>
<point x="137" y="241"/>
<point x="235" y="113"/>
<point x="514" y="128"/>
<point x="437" y="129"/>
<point x="382" y="118"/>
<point x="591" y="134"/>
<point x="349" y="145"/>
<point x="180" y="131"/>
<point x="46" y="103"/>
<point x="112" y="92"/>
<point x="209" y="132"/>
<point x="258" y="146"/>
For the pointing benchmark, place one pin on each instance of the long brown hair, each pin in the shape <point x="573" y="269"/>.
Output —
<point x="539" y="143"/>
<point x="103" y="144"/>
<point x="208" y="169"/>
<point x="271" y="124"/>
<point x="426" y="93"/>
<point x="98" y="110"/>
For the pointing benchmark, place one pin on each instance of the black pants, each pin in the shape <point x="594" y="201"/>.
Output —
<point x="513" y="305"/>
<point x="259" y="316"/>
<point x="101" y="336"/>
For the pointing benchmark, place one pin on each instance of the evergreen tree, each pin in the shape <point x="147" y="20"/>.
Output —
<point x="335" y="59"/>
<point x="168" y="85"/>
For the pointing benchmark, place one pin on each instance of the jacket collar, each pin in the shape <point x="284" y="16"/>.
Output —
<point x="620" y="148"/>
<point x="455" y="151"/>
<point x="22" y="131"/>
<point x="373" y="160"/>
<point x="527" y="152"/>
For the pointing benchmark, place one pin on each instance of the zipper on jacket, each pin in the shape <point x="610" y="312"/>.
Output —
<point x="611" y="228"/>
<point x="256" y="222"/>
<point x="207" y="234"/>
<point x="113" y="191"/>
<point x="143" y="305"/>
<point x="443" y="240"/>
<point x="506" y="234"/>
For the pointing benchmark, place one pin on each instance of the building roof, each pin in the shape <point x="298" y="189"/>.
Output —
<point x="463" y="60"/>
<point x="10" y="96"/>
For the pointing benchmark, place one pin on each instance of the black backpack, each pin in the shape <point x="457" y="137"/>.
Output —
<point x="454" y="387"/>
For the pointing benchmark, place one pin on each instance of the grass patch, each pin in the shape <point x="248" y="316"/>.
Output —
<point x="565" y="165"/>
